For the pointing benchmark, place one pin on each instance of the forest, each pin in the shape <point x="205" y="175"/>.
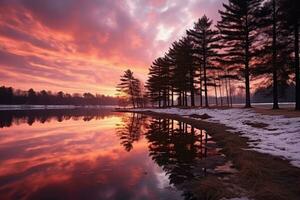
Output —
<point x="254" y="45"/>
<point x="10" y="96"/>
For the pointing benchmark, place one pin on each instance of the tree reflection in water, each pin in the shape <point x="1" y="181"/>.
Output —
<point x="11" y="117"/>
<point x="185" y="153"/>
<point x="130" y="130"/>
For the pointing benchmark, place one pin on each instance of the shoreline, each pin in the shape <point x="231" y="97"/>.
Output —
<point x="259" y="173"/>
<point x="275" y="134"/>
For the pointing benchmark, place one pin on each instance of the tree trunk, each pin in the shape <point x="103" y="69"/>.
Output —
<point x="297" y="70"/>
<point x="159" y="104"/>
<point x="201" y="103"/>
<point x="204" y="69"/>
<point x="220" y="89"/>
<point x="132" y="100"/>
<point x="168" y="97"/>
<point x="132" y="95"/>
<point x="216" y="94"/>
<point x="227" y="94"/>
<point x="274" y="58"/>
<point x="185" y="99"/>
<point x="221" y="94"/>
<point x="192" y="87"/>
<point x="230" y="92"/>
<point x="247" y="84"/>
<point x="182" y="99"/>
<point x="205" y="87"/>
<point x="247" y="74"/>
<point x="165" y="97"/>
<point x="172" y="97"/>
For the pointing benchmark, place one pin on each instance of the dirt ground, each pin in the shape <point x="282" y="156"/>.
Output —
<point x="288" y="112"/>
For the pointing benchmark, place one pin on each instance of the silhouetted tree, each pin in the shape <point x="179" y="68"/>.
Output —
<point x="129" y="86"/>
<point x="31" y="96"/>
<point x="255" y="39"/>
<point x="158" y="82"/>
<point x="238" y="30"/>
<point x="6" y="95"/>
<point x="274" y="54"/>
<point x="153" y="84"/>
<point x="272" y="66"/>
<point x="291" y="9"/>
<point x="205" y="40"/>
<point x="182" y="58"/>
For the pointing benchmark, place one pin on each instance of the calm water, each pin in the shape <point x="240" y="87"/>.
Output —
<point x="98" y="154"/>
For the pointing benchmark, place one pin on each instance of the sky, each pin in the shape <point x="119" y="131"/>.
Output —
<point x="79" y="46"/>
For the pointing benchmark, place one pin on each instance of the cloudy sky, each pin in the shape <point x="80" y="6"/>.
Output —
<point x="85" y="45"/>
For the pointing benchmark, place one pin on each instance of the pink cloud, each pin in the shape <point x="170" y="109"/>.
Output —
<point x="84" y="45"/>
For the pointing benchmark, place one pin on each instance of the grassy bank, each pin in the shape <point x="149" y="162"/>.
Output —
<point x="265" y="177"/>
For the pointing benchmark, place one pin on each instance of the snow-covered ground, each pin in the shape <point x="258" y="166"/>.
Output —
<point x="280" y="138"/>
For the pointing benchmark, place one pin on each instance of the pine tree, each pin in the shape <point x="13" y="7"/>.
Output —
<point x="205" y="40"/>
<point x="291" y="10"/>
<point x="129" y="86"/>
<point x="273" y="59"/>
<point x="182" y="59"/>
<point x="179" y="73"/>
<point x="274" y="54"/>
<point x="238" y="29"/>
<point x="153" y="84"/>
<point x="159" y="81"/>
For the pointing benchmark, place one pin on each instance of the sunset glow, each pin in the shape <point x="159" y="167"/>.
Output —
<point x="149" y="99"/>
<point x="68" y="152"/>
<point x="80" y="46"/>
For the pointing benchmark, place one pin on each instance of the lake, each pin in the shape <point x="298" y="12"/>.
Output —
<point x="100" y="154"/>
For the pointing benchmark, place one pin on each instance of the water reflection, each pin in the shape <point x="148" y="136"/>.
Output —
<point x="77" y="159"/>
<point x="130" y="129"/>
<point x="103" y="155"/>
<point x="185" y="153"/>
<point x="9" y="118"/>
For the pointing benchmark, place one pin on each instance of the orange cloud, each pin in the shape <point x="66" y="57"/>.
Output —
<point x="79" y="46"/>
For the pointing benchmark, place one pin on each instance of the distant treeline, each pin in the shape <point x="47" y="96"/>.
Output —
<point x="264" y="95"/>
<point x="10" y="96"/>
